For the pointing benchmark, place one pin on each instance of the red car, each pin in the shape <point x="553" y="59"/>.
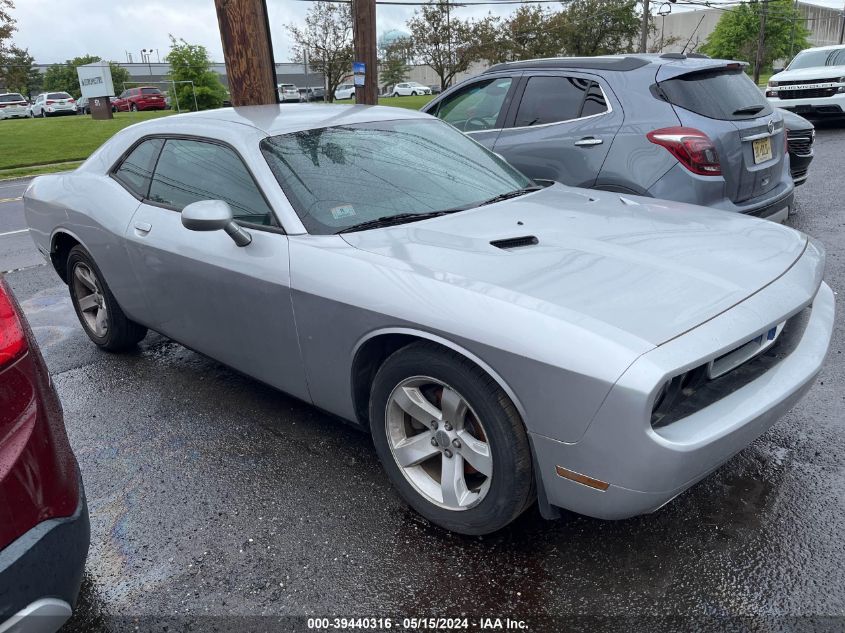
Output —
<point x="44" y="530"/>
<point x="143" y="98"/>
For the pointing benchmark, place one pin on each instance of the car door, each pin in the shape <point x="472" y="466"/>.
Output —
<point x="560" y="128"/>
<point x="231" y="303"/>
<point x="478" y="108"/>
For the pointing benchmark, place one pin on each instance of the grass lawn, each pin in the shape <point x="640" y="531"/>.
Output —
<point x="28" y="142"/>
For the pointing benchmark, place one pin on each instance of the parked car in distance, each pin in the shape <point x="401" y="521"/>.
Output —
<point x="503" y="342"/>
<point x="288" y="93"/>
<point x="315" y="93"/>
<point x="13" y="105"/>
<point x="580" y="121"/>
<point x="800" y="135"/>
<point x="344" y="91"/>
<point x="410" y="89"/>
<point x="82" y="106"/>
<point x="52" y="104"/>
<point x="435" y="89"/>
<point x="141" y="98"/>
<point x="813" y="84"/>
<point x="44" y="531"/>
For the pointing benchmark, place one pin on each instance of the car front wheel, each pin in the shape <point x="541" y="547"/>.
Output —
<point x="450" y="440"/>
<point x="414" y="93"/>
<point x="98" y="312"/>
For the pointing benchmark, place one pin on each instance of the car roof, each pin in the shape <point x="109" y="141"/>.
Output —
<point x="617" y="63"/>
<point x="831" y="47"/>
<point x="283" y="119"/>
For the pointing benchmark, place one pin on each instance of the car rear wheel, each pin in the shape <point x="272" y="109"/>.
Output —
<point x="414" y="93"/>
<point x="98" y="312"/>
<point x="133" y="107"/>
<point x="450" y="440"/>
<point x="395" y="94"/>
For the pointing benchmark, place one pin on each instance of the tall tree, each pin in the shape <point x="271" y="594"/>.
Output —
<point x="598" y="27"/>
<point x="737" y="32"/>
<point x="18" y="72"/>
<point x="446" y="43"/>
<point x="190" y="62"/>
<point x="7" y="24"/>
<point x="327" y="40"/>
<point x="63" y="76"/>
<point x="529" y="33"/>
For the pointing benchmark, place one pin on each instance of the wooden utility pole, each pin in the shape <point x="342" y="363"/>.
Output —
<point x="761" y="40"/>
<point x="247" y="51"/>
<point x="644" y="32"/>
<point x="364" y="38"/>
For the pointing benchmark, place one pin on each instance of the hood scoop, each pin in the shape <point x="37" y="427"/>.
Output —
<point x="515" y="242"/>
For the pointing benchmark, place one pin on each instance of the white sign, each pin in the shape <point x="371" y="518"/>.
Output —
<point x="95" y="80"/>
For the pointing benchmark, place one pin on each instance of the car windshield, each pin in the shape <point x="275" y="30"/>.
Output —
<point x="812" y="59"/>
<point x="11" y="97"/>
<point x="339" y="177"/>
<point x="58" y="95"/>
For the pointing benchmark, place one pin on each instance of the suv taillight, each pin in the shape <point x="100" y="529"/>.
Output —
<point x="12" y="339"/>
<point x="693" y="148"/>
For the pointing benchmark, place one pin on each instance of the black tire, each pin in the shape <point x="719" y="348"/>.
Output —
<point x="394" y="95"/>
<point x="121" y="334"/>
<point x="413" y="93"/>
<point x="511" y="489"/>
<point x="133" y="107"/>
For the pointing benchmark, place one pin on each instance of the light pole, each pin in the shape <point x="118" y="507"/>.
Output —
<point x="145" y="55"/>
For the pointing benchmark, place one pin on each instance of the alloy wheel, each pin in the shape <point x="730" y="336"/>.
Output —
<point x="439" y="443"/>
<point x="89" y="297"/>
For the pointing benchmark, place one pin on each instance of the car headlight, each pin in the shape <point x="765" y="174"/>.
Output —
<point x="842" y="81"/>
<point x="773" y="84"/>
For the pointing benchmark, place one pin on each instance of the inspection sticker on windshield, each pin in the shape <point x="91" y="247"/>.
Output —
<point x="343" y="211"/>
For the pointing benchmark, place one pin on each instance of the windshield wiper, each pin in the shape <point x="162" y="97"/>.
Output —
<point x="752" y="109"/>
<point x="390" y="220"/>
<point x="510" y="194"/>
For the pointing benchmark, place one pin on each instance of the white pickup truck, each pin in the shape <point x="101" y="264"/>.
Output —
<point x="813" y="85"/>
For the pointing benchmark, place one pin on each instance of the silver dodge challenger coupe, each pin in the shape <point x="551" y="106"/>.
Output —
<point x="504" y="342"/>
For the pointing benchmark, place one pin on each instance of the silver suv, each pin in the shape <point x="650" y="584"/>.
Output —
<point x="681" y="128"/>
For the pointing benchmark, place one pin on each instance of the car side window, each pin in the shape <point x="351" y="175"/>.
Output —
<point x="550" y="100"/>
<point x="136" y="170"/>
<point x="189" y="171"/>
<point x="477" y="106"/>
<point x="594" y="102"/>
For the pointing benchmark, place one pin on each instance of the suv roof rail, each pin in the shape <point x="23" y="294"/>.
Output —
<point x="618" y="63"/>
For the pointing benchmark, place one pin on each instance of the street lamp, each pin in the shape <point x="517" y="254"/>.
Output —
<point x="145" y="55"/>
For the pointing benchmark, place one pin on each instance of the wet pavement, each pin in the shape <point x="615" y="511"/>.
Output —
<point x="212" y="495"/>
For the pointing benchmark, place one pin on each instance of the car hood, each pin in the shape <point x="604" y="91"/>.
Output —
<point x="653" y="269"/>
<point x="816" y="72"/>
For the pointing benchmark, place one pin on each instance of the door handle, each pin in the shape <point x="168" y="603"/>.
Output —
<point x="142" y="228"/>
<point x="588" y="141"/>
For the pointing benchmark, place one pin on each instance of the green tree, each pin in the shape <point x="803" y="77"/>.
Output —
<point x="529" y="33"/>
<point x="737" y="32"/>
<point x="327" y="40"/>
<point x="446" y="43"/>
<point x="18" y="72"/>
<point x="597" y="27"/>
<point x="63" y="77"/>
<point x="394" y="70"/>
<point x="7" y="23"/>
<point x="190" y="62"/>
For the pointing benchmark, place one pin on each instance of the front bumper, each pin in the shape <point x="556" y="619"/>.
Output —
<point x="818" y="107"/>
<point x="646" y="467"/>
<point x="41" y="571"/>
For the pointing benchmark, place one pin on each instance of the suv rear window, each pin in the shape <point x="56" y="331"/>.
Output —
<point x="58" y="95"/>
<point x="725" y="94"/>
<point x="9" y="98"/>
<point x="150" y="91"/>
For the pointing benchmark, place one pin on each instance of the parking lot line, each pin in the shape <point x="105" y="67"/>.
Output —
<point x="14" y="232"/>
<point x="2" y="200"/>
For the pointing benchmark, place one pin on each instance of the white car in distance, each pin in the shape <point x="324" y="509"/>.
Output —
<point x="288" y="93"/>
<point x="13" y="105"/>
<point x="51" y="104"/>
<point x="813" y="85"/>
<point x="344" y="91"/>
<point x="410" y="89"/>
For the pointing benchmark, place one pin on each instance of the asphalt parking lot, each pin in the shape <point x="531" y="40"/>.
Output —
<point x="219" y="504"/>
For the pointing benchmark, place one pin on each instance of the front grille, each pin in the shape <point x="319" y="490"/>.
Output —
<point x="695" y="391"/>
<point x="812" y="93"/>
<point x="799" y="141"/>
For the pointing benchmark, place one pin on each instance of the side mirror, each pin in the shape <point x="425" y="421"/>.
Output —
<point x="775" y="71"/>
<point x="214" y="215"/>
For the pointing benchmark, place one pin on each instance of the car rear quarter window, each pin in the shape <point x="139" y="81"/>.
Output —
<point x="550" y="100"/>
<point x="724" y="94"/>
<point x="136" y="170"/>
<point x="595" y="102"/>
<point x="189" y="171"/>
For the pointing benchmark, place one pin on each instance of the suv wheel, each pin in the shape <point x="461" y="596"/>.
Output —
<point x="450" y="440"/>
<point x="101" y="318"/>
<point x="134" y="107"/>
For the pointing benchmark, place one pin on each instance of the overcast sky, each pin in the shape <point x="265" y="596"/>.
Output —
<point x="56" y="30"/>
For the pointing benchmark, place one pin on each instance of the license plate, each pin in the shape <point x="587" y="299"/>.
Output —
<point x="762" y="150"/>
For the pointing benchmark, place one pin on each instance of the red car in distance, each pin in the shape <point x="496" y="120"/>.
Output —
<point x="142" y="98"/>
<point x="44" y="529"/>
